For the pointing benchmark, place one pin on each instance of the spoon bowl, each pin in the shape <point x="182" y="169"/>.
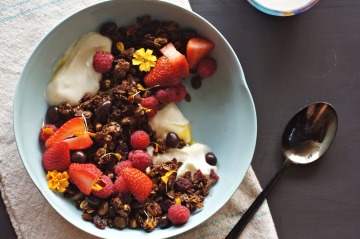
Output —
<point x="307" y="136"/>
<point x="310" y="132"/>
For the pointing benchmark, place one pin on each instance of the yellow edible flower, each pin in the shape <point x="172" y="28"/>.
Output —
<point x="57" y="180"/>
<point x="144" y="59"/>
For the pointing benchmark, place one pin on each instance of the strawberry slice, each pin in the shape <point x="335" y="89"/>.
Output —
<point x="79" y="142"/>
<point x="163" y="74"/>
<point x="196" y="49"/>
<point x="57" y="157"/>
<point x="85" y="177"/>
<point x="177" y="59"/>
<point x="139" y="183"/>
<point x="73" y="132"/>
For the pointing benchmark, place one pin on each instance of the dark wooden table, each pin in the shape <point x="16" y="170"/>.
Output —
<point x="288" y="63"/>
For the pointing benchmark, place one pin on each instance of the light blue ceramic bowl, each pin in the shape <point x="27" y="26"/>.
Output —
<point x="222" y="112"/>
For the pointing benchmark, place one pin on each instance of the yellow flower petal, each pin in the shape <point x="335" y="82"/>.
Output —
<point x="137" y="62"/>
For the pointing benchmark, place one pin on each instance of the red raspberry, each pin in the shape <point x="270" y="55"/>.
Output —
<point x="46" y="131"/>
<point x="178" y="214"/>
<point x="140" y="159"/>
<point x="139" y="139"/>
<point x="206" y="67"/>
<point x="120" y="185"/>
<point x="171" y="94"/>
<point x="106" y="190"/>
<point x="150" y="103"/>
<point x="102" y="61"/>
<point x="120" y="166"/>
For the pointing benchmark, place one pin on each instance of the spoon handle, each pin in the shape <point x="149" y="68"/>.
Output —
<point x="241" y="224"/>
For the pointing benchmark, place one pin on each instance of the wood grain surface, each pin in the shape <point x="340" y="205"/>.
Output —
<point x="288" y="63"/>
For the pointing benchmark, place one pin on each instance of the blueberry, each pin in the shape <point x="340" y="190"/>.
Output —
<point x="78" y="157"/>
<point x="52" y="114"/>
<point x="211" y="158"/>
<point x="164" y="221"/>
<point x="172" y="140"/>
<point x="183" y="184"/>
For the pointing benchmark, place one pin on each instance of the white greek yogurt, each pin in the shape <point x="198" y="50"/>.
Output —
<point x="192" y="157"/>
<point x="73" y="74"/>
<point x="170" y="119"/>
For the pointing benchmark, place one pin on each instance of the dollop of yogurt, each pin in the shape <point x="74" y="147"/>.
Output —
<point x="171" y="119"/>
<point x="73" y="74"/>
<point x="192" y="157"/>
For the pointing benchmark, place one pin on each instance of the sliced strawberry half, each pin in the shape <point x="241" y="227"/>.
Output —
<point x="177" y="59"/>
<point x="163" y="74"/>
<point x="139" y="183"/>
<point x="196" y="49"/>
<point x="73" y="132"/>
<point x="85" y="177"/>
<point x="81" y="141"/>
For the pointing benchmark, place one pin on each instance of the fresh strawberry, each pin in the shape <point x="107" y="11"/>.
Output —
<point x="84" y="176"/>
<point x="177" y="59"/>
<point x="206" y="67"/>
<point x="107" y="187"/>
<point x="73" y="127"/>
<point x="163" y="74"/>
<point x="57" y="157"/>
<point x="196" y="49"/>
<point x="139" y="183"/>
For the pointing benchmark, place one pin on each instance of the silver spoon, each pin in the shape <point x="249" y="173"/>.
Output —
<point x="306" y="138"/>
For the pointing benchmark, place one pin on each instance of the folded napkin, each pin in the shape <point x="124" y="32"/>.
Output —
<point x="24" y="23"/>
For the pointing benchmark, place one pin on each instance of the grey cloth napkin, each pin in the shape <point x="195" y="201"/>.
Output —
<point x="24" y="23"/>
